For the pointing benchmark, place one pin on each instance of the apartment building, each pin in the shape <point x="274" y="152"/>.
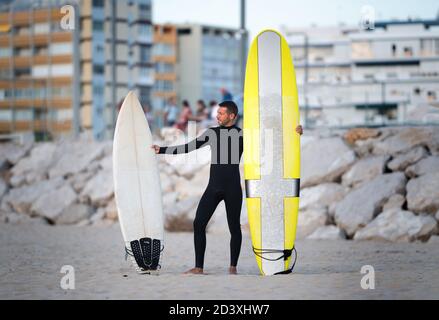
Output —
<point x="37" y="60"/>
<point x="165" y="64"/>
<point x="208" y="60"/>
<point x="56" y="81"/>
<point x="381" y="75"/>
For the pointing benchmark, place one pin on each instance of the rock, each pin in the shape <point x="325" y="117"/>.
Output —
<point x="169" y="200"/>
<point x="327" y="233"/>
<point x="424" y="166"/>
<point x="74" y="213"/>
<point x="362" y="204"/>
<point x="99" y="189"/>
<point x="423" y="193"/>
<point x="21" y="199"/>
<point x="186" y="188"/>
<point x="310" y="220"/>
<point x="179" y="217"/>
<point x="364" y="170"/>
<point x="396" y="201"/>
<point x="321" y="195"/>
<point x="325" y="161"/>
<point x="73" y="157"/>
<point x="106" y="163"/>
<point x="12" y="153"/>
<point x="434" y="240"/>
<point x="3" y="188"/>
<point x="35" y="166"/>
<point x="398" y="225"/>
<point x="50" y="205"/>
<point x="15" y="218"/>
<point x="166" y="183"/>
<point x="111" y="211"/>
<point x="401" y="162"/>
<point x="437" y="215"/>
<point x="405" y="140"/>
<point x="355" y="134"/>
<point x="17" y="181"/>
<point x="78" y="181"/>
<point x="97" y="216"/>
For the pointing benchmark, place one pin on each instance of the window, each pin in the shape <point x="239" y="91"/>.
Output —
<point x="98" y="3"/>
<point x="145" y="54"/>
<point x="98" y="69"/>
<point x="5" y="52"/>
<point x="98" y="25"/>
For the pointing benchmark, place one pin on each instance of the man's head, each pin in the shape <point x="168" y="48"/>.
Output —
<point x="227" y="113"/>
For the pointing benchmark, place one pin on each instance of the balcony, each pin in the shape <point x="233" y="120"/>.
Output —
<point x="37" y="103"/>
<point x="36" y="125"/>
<point x="38" y="39"/>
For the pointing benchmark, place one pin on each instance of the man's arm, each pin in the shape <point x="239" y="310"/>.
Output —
<point x="197" y="143"/>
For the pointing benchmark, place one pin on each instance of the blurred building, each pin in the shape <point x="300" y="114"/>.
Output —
<point x="381" y="75"/>
<point x="165" y="64"/>
<point x="208" y="60"/>
<point x="55" y="80"/>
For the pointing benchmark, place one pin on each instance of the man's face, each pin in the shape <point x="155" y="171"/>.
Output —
<point x="223" y="117"/>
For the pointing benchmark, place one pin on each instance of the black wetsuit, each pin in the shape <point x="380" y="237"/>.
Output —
<point x="226" y="146"/>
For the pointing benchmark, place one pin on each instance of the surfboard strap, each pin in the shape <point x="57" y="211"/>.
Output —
<point x="285" y="255"/>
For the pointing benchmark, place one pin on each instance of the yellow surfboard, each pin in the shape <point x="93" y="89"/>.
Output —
<point x="271" y="151"/>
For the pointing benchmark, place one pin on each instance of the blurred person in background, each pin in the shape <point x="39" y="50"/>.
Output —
<point x="171" y="113"/>
<point x="185" y="115"/>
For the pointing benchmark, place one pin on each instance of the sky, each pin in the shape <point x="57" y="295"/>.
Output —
<point x="263" y="14"/>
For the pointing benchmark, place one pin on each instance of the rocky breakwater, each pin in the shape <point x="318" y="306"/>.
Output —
<point x="362" y="184"/>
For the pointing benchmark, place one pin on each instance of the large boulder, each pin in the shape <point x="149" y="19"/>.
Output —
<point x="327" y="233"/>
<point x="12" y="153"/>
<point x="74" y="213"/>
<point x="398" y="225"/>
<point x="407" y="139"/>
<point x="73" y="157"/>
<point x="362" y="204"/>
<point x="34" y="167"/>
<point x="99" y="189"/>
<point x="3" y="188"/>
<point x="50" y="205"/>
<point x="21" y="199"/>
<point x="321" y="195"/>
<point x="401" y="162"/>
<point x="309" y="220"/>
<point x="325" y="160"/>
<point x="423" y="193"/>
<point x="424" y="166"/>
<point x="365" y="170"/>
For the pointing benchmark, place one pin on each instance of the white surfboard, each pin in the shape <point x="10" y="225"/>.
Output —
<point x="137" y="187"/>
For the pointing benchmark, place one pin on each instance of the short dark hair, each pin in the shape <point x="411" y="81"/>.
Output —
<point x="231" y="107"/>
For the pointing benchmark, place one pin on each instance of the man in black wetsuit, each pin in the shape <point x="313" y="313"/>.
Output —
<point x="226" y="145"/>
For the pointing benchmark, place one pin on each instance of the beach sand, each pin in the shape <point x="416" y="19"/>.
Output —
<point x="32" y="257"/>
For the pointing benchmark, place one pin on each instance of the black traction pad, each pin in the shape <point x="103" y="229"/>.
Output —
<point x="137" y="253"/>
<point x="145" y="244"/>
<point x="156" y="248"/>
<point x="146" y="252"/>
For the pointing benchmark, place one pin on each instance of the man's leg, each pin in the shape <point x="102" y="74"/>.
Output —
<point x="208" y="203"/>
<point x="233" y="201"/>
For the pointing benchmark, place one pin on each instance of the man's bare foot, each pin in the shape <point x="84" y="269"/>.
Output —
<point x="195" y="271"/>
<point x="232" y="270"/>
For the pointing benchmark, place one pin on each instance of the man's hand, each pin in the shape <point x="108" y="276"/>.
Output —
<point x="156" y="148"/>
<point x="299" y="129"/>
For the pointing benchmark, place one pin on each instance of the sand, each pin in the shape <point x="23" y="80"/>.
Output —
<point x="32" y="257"/>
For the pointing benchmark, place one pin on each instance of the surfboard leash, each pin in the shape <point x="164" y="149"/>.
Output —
<point x="285" y="255"/>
